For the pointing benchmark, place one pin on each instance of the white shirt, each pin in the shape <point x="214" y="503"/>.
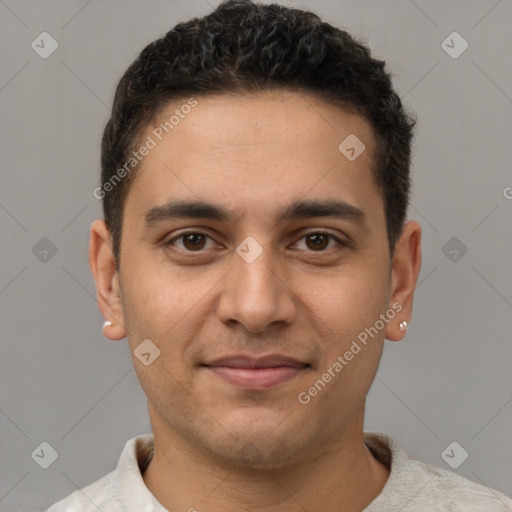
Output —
<point x="411" y="486"/>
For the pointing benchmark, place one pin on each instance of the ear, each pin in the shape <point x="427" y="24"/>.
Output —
<point x="103" y="268"/>
<point x="405" y="270"/>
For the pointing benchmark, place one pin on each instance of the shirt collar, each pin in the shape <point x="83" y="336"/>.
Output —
<point x="128" y="485"/>
<point x="129" y="488"/>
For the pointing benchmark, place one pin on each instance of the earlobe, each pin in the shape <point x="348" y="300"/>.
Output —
<point x="113" y="331"/>
<point x="406" y="267"/>
<point x="103" y="268"/>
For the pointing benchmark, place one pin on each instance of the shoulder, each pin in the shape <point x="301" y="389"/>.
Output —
<point x="416" y="486"/>
<point x="457" y="492"/>
<point x="119" y="490"/>
<point x="93" y="497"/>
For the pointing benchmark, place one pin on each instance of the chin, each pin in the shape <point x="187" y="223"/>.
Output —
<point x="261" y="449"/>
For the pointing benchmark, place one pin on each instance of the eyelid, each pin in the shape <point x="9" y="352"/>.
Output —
<point x="188" y="231"/>
<point x="319" y="231"/>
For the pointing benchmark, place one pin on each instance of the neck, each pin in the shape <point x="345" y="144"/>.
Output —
<point x="343" y="473"/>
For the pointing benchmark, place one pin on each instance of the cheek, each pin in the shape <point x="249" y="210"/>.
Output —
<point x="166" y="307"/>
<point x="150" y="306"/>
<point x="155" y="311"/>
<point x="150" y="291"/>
<point x="346" y="301"/>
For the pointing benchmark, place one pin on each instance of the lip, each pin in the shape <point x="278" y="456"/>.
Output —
<point x="246" y="361"/>
<point x="256" y="373"/>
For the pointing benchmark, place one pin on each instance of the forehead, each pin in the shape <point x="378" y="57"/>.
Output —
<point x="271" y="117"/>
<point x="252" y="150"/>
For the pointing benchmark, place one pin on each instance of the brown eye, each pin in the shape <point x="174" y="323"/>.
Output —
<point x="318" y="241"/>
<point x="191" y="241"/>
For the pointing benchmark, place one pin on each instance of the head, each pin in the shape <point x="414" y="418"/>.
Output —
<point x="241" y="48"/>
<point x="301" y="248"/>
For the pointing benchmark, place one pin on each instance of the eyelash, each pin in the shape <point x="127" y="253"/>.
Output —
<point x="202" y="233"/>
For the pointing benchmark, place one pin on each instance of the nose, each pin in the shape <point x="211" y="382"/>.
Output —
<point x="256" y="293"/>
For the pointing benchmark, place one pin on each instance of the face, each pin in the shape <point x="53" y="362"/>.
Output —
<point x="290" y="260"/>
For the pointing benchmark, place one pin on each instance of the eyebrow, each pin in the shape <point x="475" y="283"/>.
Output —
<point x="300" y="209"/>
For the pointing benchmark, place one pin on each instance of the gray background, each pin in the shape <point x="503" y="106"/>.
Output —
<point x="63" y="383"/>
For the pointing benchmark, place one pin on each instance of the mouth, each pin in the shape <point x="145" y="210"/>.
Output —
<point x="256" y="373"/>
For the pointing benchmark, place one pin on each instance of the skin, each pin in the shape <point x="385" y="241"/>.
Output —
<point x="219" y="447"/>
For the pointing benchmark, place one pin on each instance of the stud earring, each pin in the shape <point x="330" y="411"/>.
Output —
<point x="403" y="326"/>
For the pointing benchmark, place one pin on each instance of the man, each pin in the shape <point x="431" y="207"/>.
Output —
<point x="255" y="253"/>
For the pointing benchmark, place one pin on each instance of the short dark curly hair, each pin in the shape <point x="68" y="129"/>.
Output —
<point x="246" y="47"/>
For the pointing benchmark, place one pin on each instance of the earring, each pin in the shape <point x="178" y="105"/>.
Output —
<point x="403" y="326"/>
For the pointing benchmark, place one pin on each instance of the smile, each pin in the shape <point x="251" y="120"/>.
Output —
<point x="255" y="378"/>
